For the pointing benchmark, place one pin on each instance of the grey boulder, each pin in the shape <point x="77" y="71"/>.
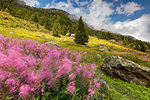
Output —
<point x="126" y="70"/>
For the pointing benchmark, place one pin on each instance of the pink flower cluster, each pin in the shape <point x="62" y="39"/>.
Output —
<point x="27" y="67"/>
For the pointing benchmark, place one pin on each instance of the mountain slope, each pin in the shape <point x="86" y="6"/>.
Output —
<point x="117" y="89"/>
<point x="49" y="18"/>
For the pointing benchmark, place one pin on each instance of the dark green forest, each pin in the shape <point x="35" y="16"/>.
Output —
<point x="58" y="22"/>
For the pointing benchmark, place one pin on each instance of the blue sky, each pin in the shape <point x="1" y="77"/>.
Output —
<point x="127" y="17"/>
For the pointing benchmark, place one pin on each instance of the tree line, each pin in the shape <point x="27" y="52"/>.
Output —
<point x="58" y="22"/>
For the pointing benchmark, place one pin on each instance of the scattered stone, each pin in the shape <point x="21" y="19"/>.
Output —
<point x="126" y="70"/>
<point x="104" y="50"/>
<point x="98" y="55"/>
<point x="11" y="32"/>
<point x="52" y="43"/>
<point x="84" y="52"/>
<point x="72" y="35"/>
<point x="106" y="86"/>
<point x="101" y="44"/>
<point x="88" y="46"/>
<point x="101" y="50"/>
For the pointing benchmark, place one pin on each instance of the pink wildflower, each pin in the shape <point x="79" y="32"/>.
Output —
<point x="78" y="70"/>
<point x="85" y="73"/>
<point x="30" y="60"/>
<point x="93" y="66"/>
<point x="66" y="67"/>
<point x="71" y="76"/>
<point x="91" y="92"/>
<point x="103" y="95"/>
<point x="24" y="90"/>
<point x="12" y="82"/>
<point x="72" y="83"/>
<point x="78" y="58"/>
<point x="71" y="89"/>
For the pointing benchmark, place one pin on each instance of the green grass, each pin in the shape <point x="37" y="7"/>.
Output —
<point x="6" y="20"/>
<point x="118" y="89"/>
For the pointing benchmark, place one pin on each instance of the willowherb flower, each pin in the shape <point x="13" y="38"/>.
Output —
<point x="71" y="76"/>
<point x="71" y="89"/>
<point x="91" y="92"/>
<point x="30" y="60"/>
<point x="72" y="83"/>
<point x="12" y="84"/>
<point x="78" y="70"/>
<point x="24" y="90"/>
<point x="103" y="95"/>
<point x="66" y="67"/>
<point x="78" y="57"/>
<point x="29" y="67"/>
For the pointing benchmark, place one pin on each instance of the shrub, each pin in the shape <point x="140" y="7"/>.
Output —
<point x="32" y="70"/>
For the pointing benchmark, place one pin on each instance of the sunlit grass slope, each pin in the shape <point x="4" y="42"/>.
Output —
<point x="6" y="20"/>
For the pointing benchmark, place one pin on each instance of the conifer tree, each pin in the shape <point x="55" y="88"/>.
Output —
<point x="125" y="42"/>
<point x="81" y="37"/>
<point x="64" y="30"/>
<point x="56" y="27"/>
<point x="143" y="49"/>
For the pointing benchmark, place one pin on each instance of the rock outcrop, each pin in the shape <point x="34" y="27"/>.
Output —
<point x="52" y="43"/>
<point x="103" y="48"/>
<point x="126" y="70"/>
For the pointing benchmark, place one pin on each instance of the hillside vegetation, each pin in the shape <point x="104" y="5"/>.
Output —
<point x="118" y="89"/>
<point x="58" y="22"/>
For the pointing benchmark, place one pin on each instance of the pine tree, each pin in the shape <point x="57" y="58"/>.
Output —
<point x="143" y="49"/>
<point x="125" y="42"/>
<point x="34" y="17"/>
<point x="81" y="37"/>
<point x="137" y="46"/>
<point x="56" y="27"/>
<point x="64" y="30"/>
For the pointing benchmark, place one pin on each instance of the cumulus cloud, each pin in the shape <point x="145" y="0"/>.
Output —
<point x="67" y="6"/>
<point x="83" y="3"/>
<point x="95" y="13"/>
<point x="138" y="28"/>
<point x="116" y="0"/>
<point x="53" y="1"/>
<point x="77" y="1"/>
<point x="47" y="6"/>
<point x="32" y="3"/>
<point x="98" y="13"/>
<point x="129" y="8"/>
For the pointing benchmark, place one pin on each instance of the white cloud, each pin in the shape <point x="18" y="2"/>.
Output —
<point x="47" y="6"/>
<point x="138" y="28"/>
<point x="53" y="1"/>
<point x="83" y="3"/>
<point x="67" y="6"/>
<point x="32" y="3"/>
<point x="116" y="0"/>
<point x="129" y="8"/>
<point x="98" y="13"/>
<point x="77" y="1"/>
